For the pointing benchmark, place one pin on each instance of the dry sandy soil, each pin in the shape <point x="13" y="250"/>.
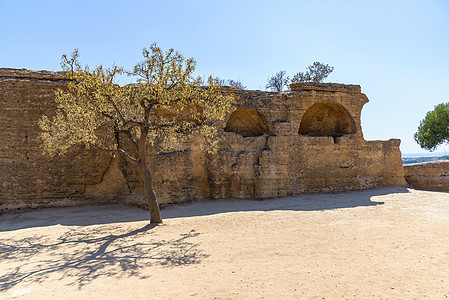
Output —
<point x="384" y="243"/>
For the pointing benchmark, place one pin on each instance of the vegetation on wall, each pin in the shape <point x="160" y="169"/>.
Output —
<point x="278" y="81"/>
<point x="316" y="72"/>
<point x="237" y="84"/>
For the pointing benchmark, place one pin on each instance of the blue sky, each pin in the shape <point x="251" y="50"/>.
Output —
<point x="396" y="50"/>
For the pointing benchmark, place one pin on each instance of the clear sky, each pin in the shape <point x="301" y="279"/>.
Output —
<point x="396" y="50"/>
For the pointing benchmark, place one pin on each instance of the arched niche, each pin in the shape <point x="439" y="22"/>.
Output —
<point x="246" y="122"/>
<point x="327" y="118"/>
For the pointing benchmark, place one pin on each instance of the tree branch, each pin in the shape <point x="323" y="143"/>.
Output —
<point x="121" y="151"/>
<point x="107" y="116"/>
<point x="131" y="124"/>
<point x="116" y="108"/>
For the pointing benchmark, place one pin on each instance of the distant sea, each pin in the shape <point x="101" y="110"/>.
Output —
<point x="425" y="154"/>
<point x="411" y="158"/>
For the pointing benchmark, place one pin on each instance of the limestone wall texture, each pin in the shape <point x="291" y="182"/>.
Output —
<point x="305" y="140"/>
<point x="29" y="179"/>
<point x="432" y="175"/>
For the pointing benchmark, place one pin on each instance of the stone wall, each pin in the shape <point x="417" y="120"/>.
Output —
<point x="287" y="160"/>
<point x="29" y="179"/>
<point x="432" y="175"/>
<point x="273" y="144"/>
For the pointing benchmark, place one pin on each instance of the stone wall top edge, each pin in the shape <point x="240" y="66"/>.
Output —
<point x="330" y="87"/>
<point x="11" y="73"/>
<point x="394" y="142"/>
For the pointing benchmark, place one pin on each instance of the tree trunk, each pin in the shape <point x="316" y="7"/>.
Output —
<point x="150" y="195"/>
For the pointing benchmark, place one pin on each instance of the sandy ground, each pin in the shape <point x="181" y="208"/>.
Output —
<point x="390" y="243"/>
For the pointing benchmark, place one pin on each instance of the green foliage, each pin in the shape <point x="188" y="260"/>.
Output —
<point x="164" y="107"/>
<point x="317" y="72"/>
<point x="278" y="81"/>
<point x="434" y="129"/>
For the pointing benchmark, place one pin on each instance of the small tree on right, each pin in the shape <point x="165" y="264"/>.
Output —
<point x="315" y="73"/>
<point x="433" y="130"/>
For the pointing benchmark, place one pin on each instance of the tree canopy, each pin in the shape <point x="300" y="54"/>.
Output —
<point x="433" y="130"/>
<point x="316" y="72"/>
<point x="165" y="107"/>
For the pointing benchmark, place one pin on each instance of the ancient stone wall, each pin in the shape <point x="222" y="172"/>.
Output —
<point x="432" y="175"/>
<point x="273" y="144"/>
<point x="329" y="155"/>
<point x="29" y="179"/>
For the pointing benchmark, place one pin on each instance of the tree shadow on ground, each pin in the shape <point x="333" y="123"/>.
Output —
<point x="81" y="255"/>
<point x="308" y="202"/>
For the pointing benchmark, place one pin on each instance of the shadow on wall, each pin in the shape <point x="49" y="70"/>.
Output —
<point x="327" y="118"/>
<point x="246" y="122"/>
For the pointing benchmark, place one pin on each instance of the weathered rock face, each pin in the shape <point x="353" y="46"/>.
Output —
<point x="28" y="178"/>
<point x="274" y="144"/>
<point x="433" y="175"/>
<point x="313" y="143"/>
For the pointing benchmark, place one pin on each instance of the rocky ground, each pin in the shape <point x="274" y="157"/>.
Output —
<point x="384" y="243"/>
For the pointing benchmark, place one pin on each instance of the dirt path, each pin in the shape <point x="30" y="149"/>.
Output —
<point x="385" y="243"/>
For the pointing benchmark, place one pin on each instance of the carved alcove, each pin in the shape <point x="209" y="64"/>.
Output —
<point x="327" y="118"/>
<point x="246" y="122"/>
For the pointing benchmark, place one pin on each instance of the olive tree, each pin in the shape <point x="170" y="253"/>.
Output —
<point x="165" y="107"/>
<point x="433" y="130"/>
